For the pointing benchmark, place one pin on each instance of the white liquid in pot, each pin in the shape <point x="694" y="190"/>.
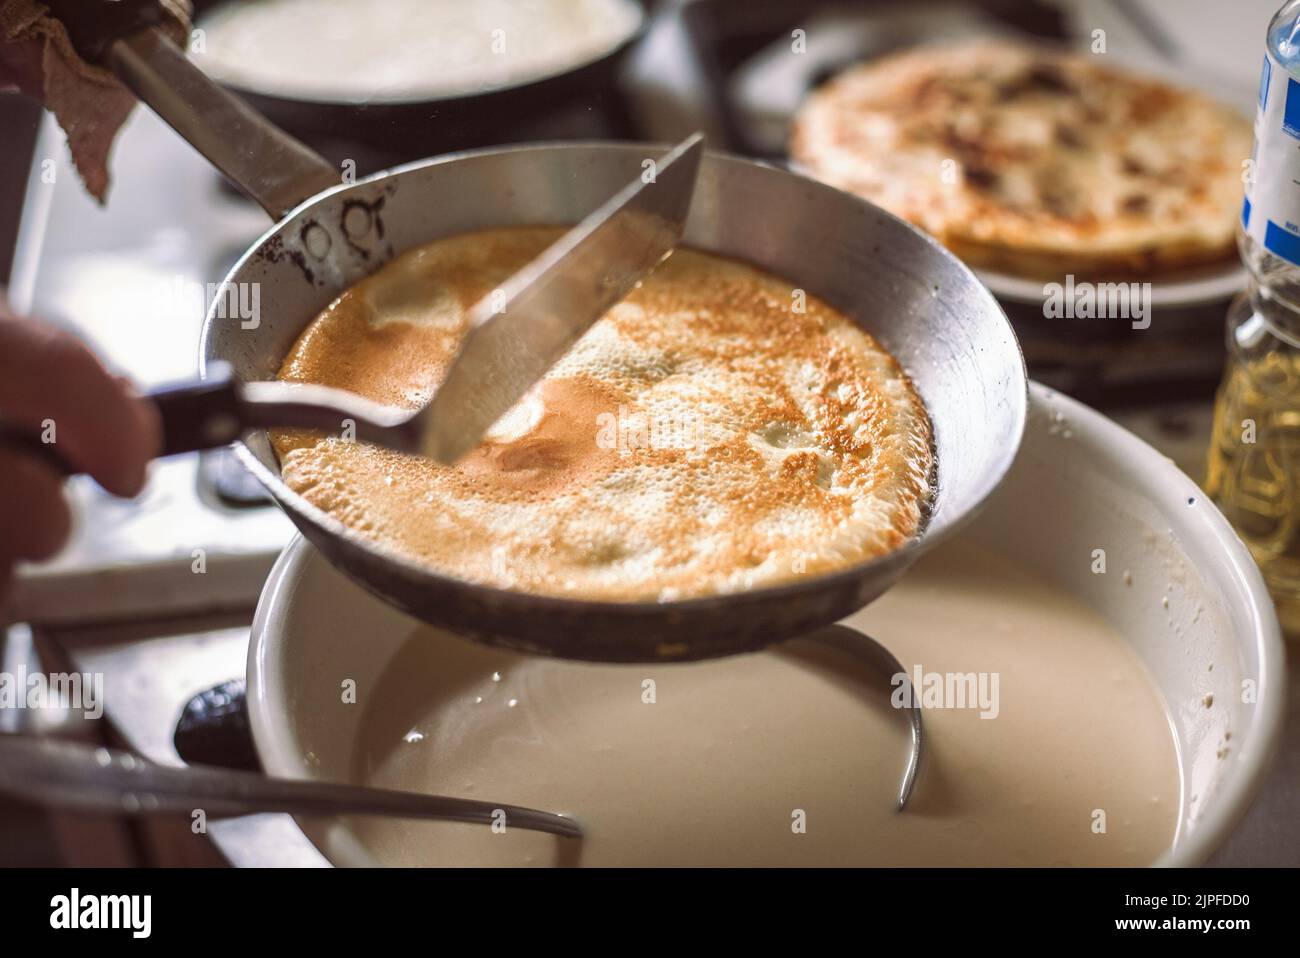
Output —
<point x="718" y="769"/>
<point x="405" y="49"/>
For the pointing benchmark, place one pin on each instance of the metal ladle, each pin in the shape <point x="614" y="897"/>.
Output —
<point x="881" y="660"/>
<point x="77" y="775"/>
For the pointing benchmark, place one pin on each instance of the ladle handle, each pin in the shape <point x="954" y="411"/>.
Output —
<point x="273" y="168"/>
<point x="219" y="409"/>
<point x="860" y="644"/>
<point x="199" y="415"/>
<point x="79" y="776"/>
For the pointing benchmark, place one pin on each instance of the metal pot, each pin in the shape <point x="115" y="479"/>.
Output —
<point x="916" y="298"/>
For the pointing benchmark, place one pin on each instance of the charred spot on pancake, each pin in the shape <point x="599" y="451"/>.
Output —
<point x="1039" y="78"/>
<point x="1136" y="203"/>
<point x="981" y="177"/>
<point x="1133" y="166"/>
<point x="1069" y="137"/>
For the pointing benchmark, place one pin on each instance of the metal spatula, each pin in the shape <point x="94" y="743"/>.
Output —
<point x="514" y="337"/>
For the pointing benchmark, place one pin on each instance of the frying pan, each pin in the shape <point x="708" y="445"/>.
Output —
<point x="920" y="302"/>
<point x="404" y="127"/>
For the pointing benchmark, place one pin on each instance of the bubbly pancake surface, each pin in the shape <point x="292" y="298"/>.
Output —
<point x="717" y="430"/>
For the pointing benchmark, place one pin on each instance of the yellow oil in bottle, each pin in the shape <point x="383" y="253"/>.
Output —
<point x="1253" y="468"/>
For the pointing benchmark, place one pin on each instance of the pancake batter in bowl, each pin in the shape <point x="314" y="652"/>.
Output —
<point x="718" y="430"/>
<point x="1076" y="763"/>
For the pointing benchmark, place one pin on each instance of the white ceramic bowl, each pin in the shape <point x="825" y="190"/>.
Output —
<point x="1080" y="483"/>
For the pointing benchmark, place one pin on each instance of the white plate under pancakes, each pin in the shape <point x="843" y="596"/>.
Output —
<point x="1200" y="286"/>
<point x="1180" y="588"/>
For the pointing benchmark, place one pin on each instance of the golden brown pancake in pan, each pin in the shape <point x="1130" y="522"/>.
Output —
<point x="718" y="430"/>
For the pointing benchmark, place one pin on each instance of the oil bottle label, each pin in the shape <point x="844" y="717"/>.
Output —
<point x="1271" y="212"/>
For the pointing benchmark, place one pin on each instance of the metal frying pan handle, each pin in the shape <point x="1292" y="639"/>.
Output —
<point x="218" y="410"/>
<point x="201" y="415"/>
<point x="273" y="168"/>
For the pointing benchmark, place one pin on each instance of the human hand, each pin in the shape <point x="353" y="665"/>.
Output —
<point x="53" y="387"/>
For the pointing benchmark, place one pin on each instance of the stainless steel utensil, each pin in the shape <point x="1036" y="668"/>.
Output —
<point x="542" y="310"/>
<point x="887" y="665"/>
<point x="76" y="775"/>
<point x="215" y="721"/>
<point x="514" y="337"/>
<point x="904" y="288"/>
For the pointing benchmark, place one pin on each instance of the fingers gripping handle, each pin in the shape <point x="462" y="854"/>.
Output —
<point x="194" y="416"/>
